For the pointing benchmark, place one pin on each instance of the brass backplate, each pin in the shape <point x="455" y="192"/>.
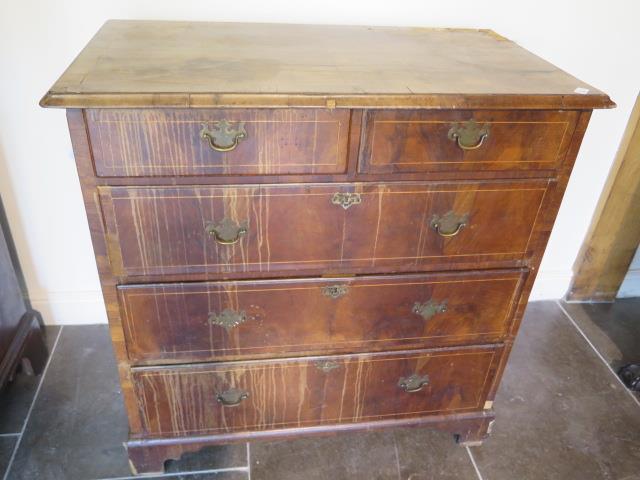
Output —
<point x="223" y="136"/>
<point x="469" y="135"/>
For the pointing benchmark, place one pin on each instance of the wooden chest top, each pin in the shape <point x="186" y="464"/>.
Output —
<point x="201" y="64"/>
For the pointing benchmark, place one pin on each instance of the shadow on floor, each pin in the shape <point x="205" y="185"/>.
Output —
<point x="613" y="328"/>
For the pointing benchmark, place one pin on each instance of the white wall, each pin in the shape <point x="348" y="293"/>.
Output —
<point x="595" y="41"/>
<point x="631" y="285"/>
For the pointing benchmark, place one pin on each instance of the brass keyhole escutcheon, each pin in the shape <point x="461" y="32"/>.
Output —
<point x="346" y="199"/>
<point x="228" y="319"/>
<point x="327" y="365"/>
<point x="335" y="291"/>
<point x="223" y="136"/>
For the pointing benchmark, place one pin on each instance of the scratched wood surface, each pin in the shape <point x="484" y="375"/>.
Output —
<point x="182" y="322"/>
<point x="168" y="143"/>
<point x="181" y="400"/>
<point x="419" y="141"/>
<point x="156" y="231"/>
<point x="179" y="64"/>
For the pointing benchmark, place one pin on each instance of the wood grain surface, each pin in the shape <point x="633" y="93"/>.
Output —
<point x="299" y="392"/>
<point x="159" y="231"/>
<point x="132" y="63"/>
<point x="168" y="143"/>
<point x="419" y="141"/>
<point x="172" y="322"/>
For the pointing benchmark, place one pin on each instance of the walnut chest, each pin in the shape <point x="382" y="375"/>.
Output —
<point x="308" y="229"/>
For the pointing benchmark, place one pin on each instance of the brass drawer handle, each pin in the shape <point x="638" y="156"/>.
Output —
<point x="449" y="224"/>
<point x="227" y="232"/>
<point x="223" y="137"/>
<point x="232" y="397"/>
<point x="228" y="319"/>
<point x="335" y="291"/>
<point x="428" y="309"/>
<point x="413" y="383"/>
<point x="468" y="135"/>
<point x="346" y="200"/>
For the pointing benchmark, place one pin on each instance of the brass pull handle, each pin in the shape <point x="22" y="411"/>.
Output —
<point x="227" y="232"/>
<point x="449" y="224"/>
<point x="468" y="135"/>
<point x="413" y="383"/>
<point x="223" y="137"/>
<point x="428" y="309"/>
<point x="346" y="200"/>
<point x="228" y="319"/>
<point x="232" y="397"/>
<point x="335" y="291"/>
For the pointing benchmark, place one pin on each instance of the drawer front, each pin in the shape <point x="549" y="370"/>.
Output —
<point x="218" y="142"/>
<point x="228" y="397"/>
<point x="438" y="141"/>
<point x="246" y="319"/>
<point x="317" y="228"/>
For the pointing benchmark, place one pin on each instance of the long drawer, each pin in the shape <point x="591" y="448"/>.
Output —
<point x="405" y="141"/>
<point x="277" y="318"/>
<point x="178" y="142"/>
<point x="258" y="395"/>
<point x="319" y="228"/>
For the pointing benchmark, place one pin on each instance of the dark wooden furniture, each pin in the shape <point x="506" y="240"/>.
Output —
<point x="21" y="336"/>
<point x="312" y="229"/>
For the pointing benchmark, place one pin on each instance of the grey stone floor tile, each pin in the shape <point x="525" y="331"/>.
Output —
<point x="16" y="398"/>
<point x="78" y="424"/>
<point x="431" y="455"/>
<point x="354" y="456"/>
<point x="6" y="449"/>
<point x="613" y="328"/>
<point x="560" y="412"/>
<point x="418" y="454"/>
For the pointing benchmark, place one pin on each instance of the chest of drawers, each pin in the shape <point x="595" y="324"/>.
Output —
<point x="311" y="229"/>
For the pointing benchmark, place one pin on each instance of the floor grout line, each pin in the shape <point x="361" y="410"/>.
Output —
<point x="33" y="402"/>
<point x="179" y="474"/>
<point x="395" y="447"/>
<point x="248" y="461"/>
<point x="475" y="465"/>
<point x="17" y="434"/>
<point x="593" y="347"/>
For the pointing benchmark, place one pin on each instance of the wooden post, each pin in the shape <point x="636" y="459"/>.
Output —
<point x="614" y="233"/>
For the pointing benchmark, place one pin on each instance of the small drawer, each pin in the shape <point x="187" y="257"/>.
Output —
<point x="319" y="228"/>
<point x="133" y="143"/>
<point x="407" y="141"/>
<point x="277" y="318"/>
<point x="311" y="391"/>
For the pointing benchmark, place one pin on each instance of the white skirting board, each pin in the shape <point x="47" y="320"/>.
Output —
<point x="71" y="308"/>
